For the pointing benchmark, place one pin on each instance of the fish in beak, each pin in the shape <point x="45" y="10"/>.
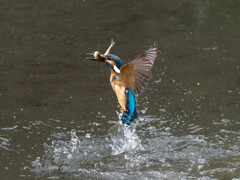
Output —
<point x="101" y="57"/>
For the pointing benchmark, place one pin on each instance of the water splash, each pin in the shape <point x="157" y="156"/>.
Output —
<point x="124" y="139"/>
<point x="148" y="146"/>
<point x="75" y="142"/>
<point x="63" y="149"/>
<point x="58" y="154"/>
<point x="75" y="156"/>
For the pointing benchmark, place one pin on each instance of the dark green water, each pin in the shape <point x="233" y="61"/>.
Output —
<point x="60" y="117"/>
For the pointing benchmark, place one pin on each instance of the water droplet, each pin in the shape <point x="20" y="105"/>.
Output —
<point x="88" y="135"/>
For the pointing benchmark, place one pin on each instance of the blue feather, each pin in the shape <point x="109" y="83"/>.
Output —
<point x="116" y="59"/>
<point x="131" y="113"/>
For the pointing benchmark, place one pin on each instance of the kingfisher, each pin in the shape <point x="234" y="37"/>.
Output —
<point x="129" y="80"/>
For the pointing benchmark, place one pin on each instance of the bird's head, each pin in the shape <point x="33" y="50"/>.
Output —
<point x="114" y="62"/>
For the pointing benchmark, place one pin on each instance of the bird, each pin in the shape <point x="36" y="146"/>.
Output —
<point x="128" y="81"/>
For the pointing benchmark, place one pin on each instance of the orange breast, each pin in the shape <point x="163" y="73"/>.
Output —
<point x="111" y="81"/>
<point x="119" y="88"/>
<point x="120" y="92"/>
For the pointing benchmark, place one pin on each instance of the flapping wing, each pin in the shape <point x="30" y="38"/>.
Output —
<point x="137" y="73"/>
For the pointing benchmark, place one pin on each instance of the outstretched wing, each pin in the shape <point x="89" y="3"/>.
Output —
<point x="137" y="73"/>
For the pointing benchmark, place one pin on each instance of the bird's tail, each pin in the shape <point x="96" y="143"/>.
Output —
<point x="134" y="115"/>
<point x="129" y="118"/>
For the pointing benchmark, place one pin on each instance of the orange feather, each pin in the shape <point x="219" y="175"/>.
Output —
<point x="134" y="75"/>
<point x="119" y="88"/>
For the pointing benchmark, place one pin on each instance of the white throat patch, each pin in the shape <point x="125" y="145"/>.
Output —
<point x="116" y="69"/>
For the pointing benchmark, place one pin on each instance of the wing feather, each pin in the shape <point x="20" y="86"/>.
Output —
<point x="137" y="73"/>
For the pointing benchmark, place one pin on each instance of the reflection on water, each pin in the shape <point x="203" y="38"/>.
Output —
<point x="57" y="111"/>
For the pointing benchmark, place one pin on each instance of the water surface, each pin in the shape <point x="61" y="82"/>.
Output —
<point x="60" y="117"/>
